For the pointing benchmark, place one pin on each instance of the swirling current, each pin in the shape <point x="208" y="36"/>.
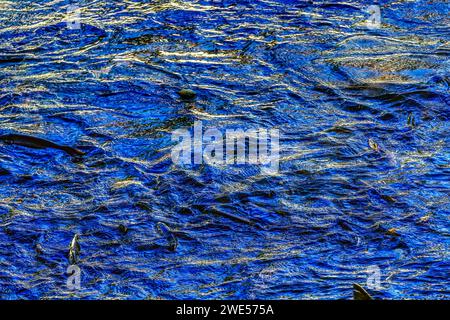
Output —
<point x="363" y="114"/>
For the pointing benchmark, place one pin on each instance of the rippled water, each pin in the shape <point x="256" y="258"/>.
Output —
<point x="311" y="69"/>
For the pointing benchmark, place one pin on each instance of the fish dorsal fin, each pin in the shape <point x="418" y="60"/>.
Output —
<point x="360" y="294"/>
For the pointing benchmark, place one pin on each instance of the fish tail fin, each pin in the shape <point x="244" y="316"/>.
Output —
<point x="72" y="151"/>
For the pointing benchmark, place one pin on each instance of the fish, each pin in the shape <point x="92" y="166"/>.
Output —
<point x="392" y="232"/>
<point x="74" y="250"/>
<point x="360" y="294"/>
<point x="4" y="172"/>
<point x="390" y="156"/>
<point x="38" y="143"/>
<point x="411" y="120"/>
<point x="38" y="249"/>
<point x="122" y="228"/>
<point x="11" y="59"/>
<point x="167" y="240"/>
<point x="187" y="94"/>
<point x="373" y="145"/>
<point x="232" y="217"/>
<point x="165" y="231"/>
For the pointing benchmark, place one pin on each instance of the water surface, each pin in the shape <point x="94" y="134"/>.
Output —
<point x="311" y="69"/>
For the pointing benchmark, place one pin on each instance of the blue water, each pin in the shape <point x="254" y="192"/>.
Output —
<point x="314" y="70"/>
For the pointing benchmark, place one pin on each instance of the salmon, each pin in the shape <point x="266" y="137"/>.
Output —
<point x="37" y="143"/>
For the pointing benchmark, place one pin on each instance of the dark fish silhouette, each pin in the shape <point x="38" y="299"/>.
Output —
<point x="165" y="231"/>
<point x="37" y="143"/>
<point x="4" y="172"/>
<point x="11" y="59"/>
